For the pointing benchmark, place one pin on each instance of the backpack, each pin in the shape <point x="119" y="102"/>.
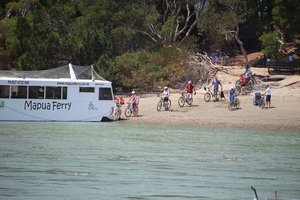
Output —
<point x="122" y="101"/>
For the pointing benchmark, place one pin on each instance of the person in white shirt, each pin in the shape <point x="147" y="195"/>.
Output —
<point x="166" y="94"/>
<point x="268" y="96"/>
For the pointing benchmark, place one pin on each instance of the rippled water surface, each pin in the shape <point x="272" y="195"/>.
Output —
<point x="119" y="161"/>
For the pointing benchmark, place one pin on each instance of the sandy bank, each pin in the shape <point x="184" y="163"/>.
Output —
<point x="284" y="113"/>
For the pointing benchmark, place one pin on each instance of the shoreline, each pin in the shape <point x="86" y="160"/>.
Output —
<point x="284" y="114"/>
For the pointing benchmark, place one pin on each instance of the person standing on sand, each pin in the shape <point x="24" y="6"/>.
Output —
<point x="134" y="104"/>
<point x="190" y="88"/>
<point x="216" y="84"/>
<point x="231" y="97"/>
<point x="165" y="94"/>
<point x="268" y="96"/>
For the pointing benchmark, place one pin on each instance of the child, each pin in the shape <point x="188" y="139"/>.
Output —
<point x="231" y="97"/>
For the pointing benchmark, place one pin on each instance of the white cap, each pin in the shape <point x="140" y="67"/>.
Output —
<point x="133" y="92"/>
<point x="189" y="82"/>
<point x="231" y="87"/>
<point x="165" y="87"/>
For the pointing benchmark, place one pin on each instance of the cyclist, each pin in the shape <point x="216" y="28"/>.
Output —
<point x="216" y="84"/>
<point x="247" y="73"/>
<point x="134" y="103"/>
<point x="190" y="88"/>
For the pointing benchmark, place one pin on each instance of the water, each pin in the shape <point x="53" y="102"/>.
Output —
<point x="119" y="161"/>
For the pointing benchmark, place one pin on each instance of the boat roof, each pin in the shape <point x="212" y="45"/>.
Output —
<point x="67" y="72"/>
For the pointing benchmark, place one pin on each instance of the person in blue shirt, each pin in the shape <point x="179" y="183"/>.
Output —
<point x="231" y="97"/>
<point x="216" y="84"/>
<point x="248" y="72"/>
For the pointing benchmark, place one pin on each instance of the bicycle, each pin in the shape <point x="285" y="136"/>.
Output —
<point x="248" y="84"/>
<point x="208" y="95"/>
<point x="130" y="110"/>
<point x="251" y="80"/>
<point x="184" y="99"/>
<point x="235" y="105"/>
<point x="262" y="103"/>
<point x="164" y="104"/>
<point x="116" y="109"/>
<point x="245" y="89"/>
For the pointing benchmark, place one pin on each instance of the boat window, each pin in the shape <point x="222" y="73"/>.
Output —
<point x="53" y="92"/>
<point x="19" y="92"/>
<point x="65" y="92"/>
<point x="4" y="91"/>
<point x="105" y="94"/>
<point x="86" y="89"/>
<point x="36" y="92"/>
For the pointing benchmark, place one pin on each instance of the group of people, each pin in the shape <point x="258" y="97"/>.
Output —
<point x="191" y="90"/>
<point x="245" y="77"/>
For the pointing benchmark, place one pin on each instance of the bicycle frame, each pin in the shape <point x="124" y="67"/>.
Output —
<point x="184" y="99"/>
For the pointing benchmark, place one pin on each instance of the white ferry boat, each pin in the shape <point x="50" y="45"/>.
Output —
<point x="68" y="93"/>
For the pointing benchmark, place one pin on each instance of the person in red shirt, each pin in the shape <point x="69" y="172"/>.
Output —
<point x="190" y="88"/>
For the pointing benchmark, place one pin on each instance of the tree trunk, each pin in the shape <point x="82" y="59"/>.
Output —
<point x="238" y="40"/>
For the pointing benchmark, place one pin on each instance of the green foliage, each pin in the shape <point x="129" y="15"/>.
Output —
<point x="133" y="43"/>
<point x="8" y="43"/>
<point x="144" y="69"/>
<point x="134" y="70"/>
<point x="270" y="44"/>
<point x="286" y="14"/>
<point x="172" y="74"/>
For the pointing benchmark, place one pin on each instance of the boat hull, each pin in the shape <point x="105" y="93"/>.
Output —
<point x="43" y="110"/>
<point x="73" y="101"/>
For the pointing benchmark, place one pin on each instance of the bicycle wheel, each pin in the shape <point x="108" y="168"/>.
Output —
<point x="238" y="83"/>
<point x="189" y="101"/>
<point x="118" y="114"/>
<point x="181" y="101"/>
<point x="248" y="88"/>
<point x="128" y="112"/>
<point x="252" y="81"/>
<point x="168" y="105"/>
<point x="230" y="107"/>
<point x="218" y="96"/>
<point x="207" y="96"/>
<point x="159" y="105"/>
<point x="262" y="105"/>
<point x="236" y="104"/>
<point x="135" y="111"/>
<point x="238" y="89"/>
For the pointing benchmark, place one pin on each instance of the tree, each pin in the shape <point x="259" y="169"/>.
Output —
<point x="174" y="20"/>
<point x="222" y="19"/>
<point x="270" y="44"/>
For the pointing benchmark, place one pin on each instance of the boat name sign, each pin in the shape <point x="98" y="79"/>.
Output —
<point x="54" y="105"/>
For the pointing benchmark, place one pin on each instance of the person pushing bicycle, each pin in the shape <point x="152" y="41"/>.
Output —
<point x="134" y="102"/>
<point x="216" y="84"/>
<point x="190" y="88"/>
<point x="165" y="94"/>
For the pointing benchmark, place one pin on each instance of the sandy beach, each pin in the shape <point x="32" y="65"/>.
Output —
<point x="284" y="113"/>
